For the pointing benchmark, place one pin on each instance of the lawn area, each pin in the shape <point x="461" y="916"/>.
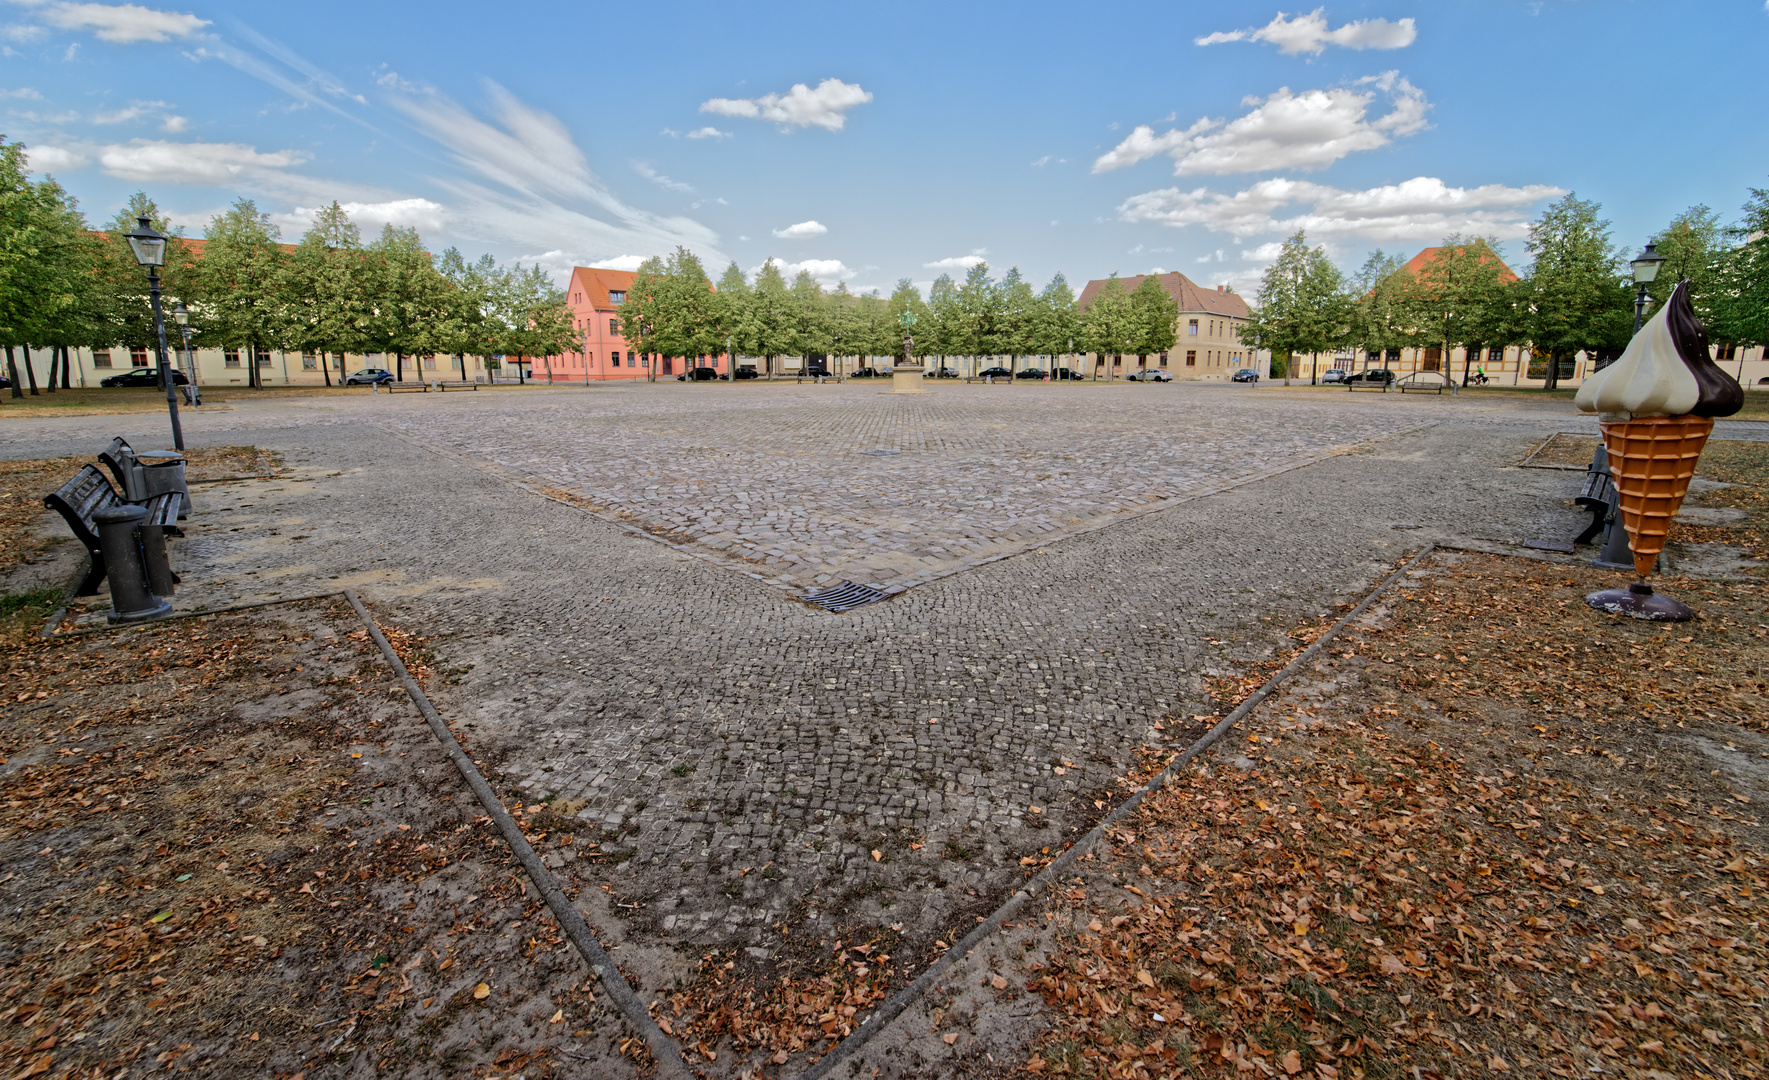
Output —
<point x="1486" y="836"/>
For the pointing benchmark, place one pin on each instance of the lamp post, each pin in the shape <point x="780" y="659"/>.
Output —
<point x="149" y="246"/>
<point x="181" y="315"/>
<point x="1645" y="267"/>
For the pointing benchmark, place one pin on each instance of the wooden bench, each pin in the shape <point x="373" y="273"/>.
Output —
<point x="426" y="387"/>
<point x="1434" y="381"/>
<point x="1597" y="496"/>
<point x="88" y="493"/>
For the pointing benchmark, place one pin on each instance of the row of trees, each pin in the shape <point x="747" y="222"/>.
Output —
<point x="64" y="285"/>
<point x="1577" y="294"/>
<point x="673" y="309"/>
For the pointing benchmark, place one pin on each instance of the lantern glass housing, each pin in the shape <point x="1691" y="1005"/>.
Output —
<point x="181" y="314"/>
<point x="1646" y="264"/>
<point x="148" y="244"/>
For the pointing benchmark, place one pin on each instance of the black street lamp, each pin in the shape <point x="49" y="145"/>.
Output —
<point x="181" y="315"/>
<point x="150" y="251"/>
<point x="1645" y="267"/>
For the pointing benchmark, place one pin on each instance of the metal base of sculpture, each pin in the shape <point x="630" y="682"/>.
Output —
<point x="1640" y="602"/>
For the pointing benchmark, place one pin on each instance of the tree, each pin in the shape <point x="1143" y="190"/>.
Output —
<point x="1458" y="298"/>
<point x="1108" y="324"/>
<point x="1015" y="308"/>
<point x="410" y="302"/>
<point x="1154" y="320"/>
<point x="771" y="314"/>
<point x="1570" y="290"/>
<point x="810" y="333"/>
<point x="734" y="318"/>
<point x="1740" y="304"/>
<point x="240" y="272"/>
<point x="1691" y="245"/>
<point x="978" y="315"/>
<point x="941" y="331"/>
<point x="46" y="263"/>
<point x="324" y="283"/>
<point x="1378" y="316"/>
<point x="1054" y="322"/>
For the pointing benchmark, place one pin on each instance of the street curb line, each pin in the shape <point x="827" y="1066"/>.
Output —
<point x="663" y="1048"/>
<point x="1046" y="879"/>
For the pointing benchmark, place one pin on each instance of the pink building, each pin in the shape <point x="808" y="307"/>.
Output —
<point x="595" y="297"/>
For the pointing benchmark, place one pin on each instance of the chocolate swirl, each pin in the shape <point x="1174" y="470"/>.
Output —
<point x="1720" y="393"/>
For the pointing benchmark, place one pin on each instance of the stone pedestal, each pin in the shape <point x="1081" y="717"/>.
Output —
<point x="907" y="380"/>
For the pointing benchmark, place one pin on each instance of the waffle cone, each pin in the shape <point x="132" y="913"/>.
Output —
<point x="1652" y="459"/>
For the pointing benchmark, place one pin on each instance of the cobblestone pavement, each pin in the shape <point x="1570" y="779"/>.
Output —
<point x="757" y="764"/>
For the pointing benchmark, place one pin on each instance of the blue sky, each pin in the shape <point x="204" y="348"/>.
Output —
<point x="871" y="144"/>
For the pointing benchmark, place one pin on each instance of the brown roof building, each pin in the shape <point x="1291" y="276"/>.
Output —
<point x="1209" y="342"/>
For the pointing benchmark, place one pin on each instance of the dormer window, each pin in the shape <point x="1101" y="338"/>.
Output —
<point x="616" y="297"/>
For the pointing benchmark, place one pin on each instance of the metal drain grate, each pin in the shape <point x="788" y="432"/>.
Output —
<point x="881" y="453"/>
<point x="843" y="597"/>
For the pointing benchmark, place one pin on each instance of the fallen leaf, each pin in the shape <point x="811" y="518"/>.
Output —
<point x="998" y="982"/>
<point x="877" y="855"/>
<point x="1292" y="1063"/>
<point x="949" y="1038"/>
<point x="481" y="992"/>
<point x="558" y="1017"/>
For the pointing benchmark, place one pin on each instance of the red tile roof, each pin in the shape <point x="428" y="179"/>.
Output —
<point x="1185" y="292"/>
<point x="1418" y="262"/>
<point x="595" y="285"/>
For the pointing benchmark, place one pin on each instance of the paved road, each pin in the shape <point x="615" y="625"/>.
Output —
<point x="752" y="753"/>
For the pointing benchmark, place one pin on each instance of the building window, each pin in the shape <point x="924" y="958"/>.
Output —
<point x="138" y="357"/>
<point x="1192" y="328"/>
<point x="617" y="297"/>
<point x="1191" y="355"/>
<point x="1496" y="354"/>
<point x="613" y="327"/>
<point x="101" y="358"/>
<point x="230" y="357"/>
<point x="614" y="359"/>
<point x="1726" y="352"/>
<point x="338" y="361"/>
<point x="1163" y="359"/>
<point x="309" y="362"/>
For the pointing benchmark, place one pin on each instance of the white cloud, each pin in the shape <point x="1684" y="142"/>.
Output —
<point x="1045" y="160"/>
<point x="1309" y="34"/>
<point x="708" y="132"/>
<point x="959" y="262"/>
<point x="173" y="125"/>
<point x="135" y="110"/>
<point x="825" y="107"/>
<point x="121" y="23"/>
<point x="158" y="161"/>
<point x="420" y="214"/>
<point x="658" y="178"/>
<point x="1310" y="130"/>
<point x="23" y="93"/>
<point x="629" y="263"/>
<point x="1423" y="208"/>
<point x="802" y="230"/>
<point x="52" y="158"/>
<point x="826" y="272"/>
<point x="21" y="32"/>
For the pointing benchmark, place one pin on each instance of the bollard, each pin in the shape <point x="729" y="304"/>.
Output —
<point x="131" y="600"/>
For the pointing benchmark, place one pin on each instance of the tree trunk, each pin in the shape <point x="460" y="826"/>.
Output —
<point x="398" y="367"/>
<point x="1314" y="368"/>
<point x="54" y="355"/>
<point x="325" y="366"/>
<point x="1551" y="377"/>
<point x="66" y="362"/>
<point x="12" y="370"/>
<point x="30" y="370"/>
<point x="1467" y="363"/>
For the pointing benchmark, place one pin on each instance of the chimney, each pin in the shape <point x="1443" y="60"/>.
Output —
<point x="1222" y="288"/>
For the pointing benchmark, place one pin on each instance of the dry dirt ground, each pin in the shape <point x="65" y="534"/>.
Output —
<point x="231" y="847"/>
<point x="1491" y="832"/>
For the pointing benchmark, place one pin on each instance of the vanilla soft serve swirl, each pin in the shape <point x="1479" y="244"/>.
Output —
<point x="1665" y="371"/>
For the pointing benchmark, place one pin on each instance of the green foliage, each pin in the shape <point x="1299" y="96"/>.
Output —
<point x="1108" y="327"/>
<point x="1571" y="298"/>
<point x="1460" y="298"/>
<point x="1303" y="305"/>
<point x="1056" y="325"/>
<point x="1154" y="319"/>
<point x="1738" y="311"/>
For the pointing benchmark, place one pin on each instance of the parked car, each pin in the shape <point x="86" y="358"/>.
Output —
<point x="747" y="372"/>
<point x="940" y="373"/>
<point x="995" y="373"/>
<point x="1149" y="375"/>
<point x="699" y="374"/>
<point x="1371" y="377"/>
<point x="144" y="376"/>
<point x="368" y="377"/>
<point x="1066" y="373"/>
<point x="1029" y="373"/>
<point x="5" y="383"/>
<point x="868" y="373"/>
<point x="1246" y="374"/>
<point x="1337" y="375"/>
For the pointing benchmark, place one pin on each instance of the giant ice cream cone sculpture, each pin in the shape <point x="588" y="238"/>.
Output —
<point x="1656" y="406"/>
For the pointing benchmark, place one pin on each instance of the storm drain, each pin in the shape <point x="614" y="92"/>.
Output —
<point x="843" y="597"/>
<point x="881" y="453"/>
